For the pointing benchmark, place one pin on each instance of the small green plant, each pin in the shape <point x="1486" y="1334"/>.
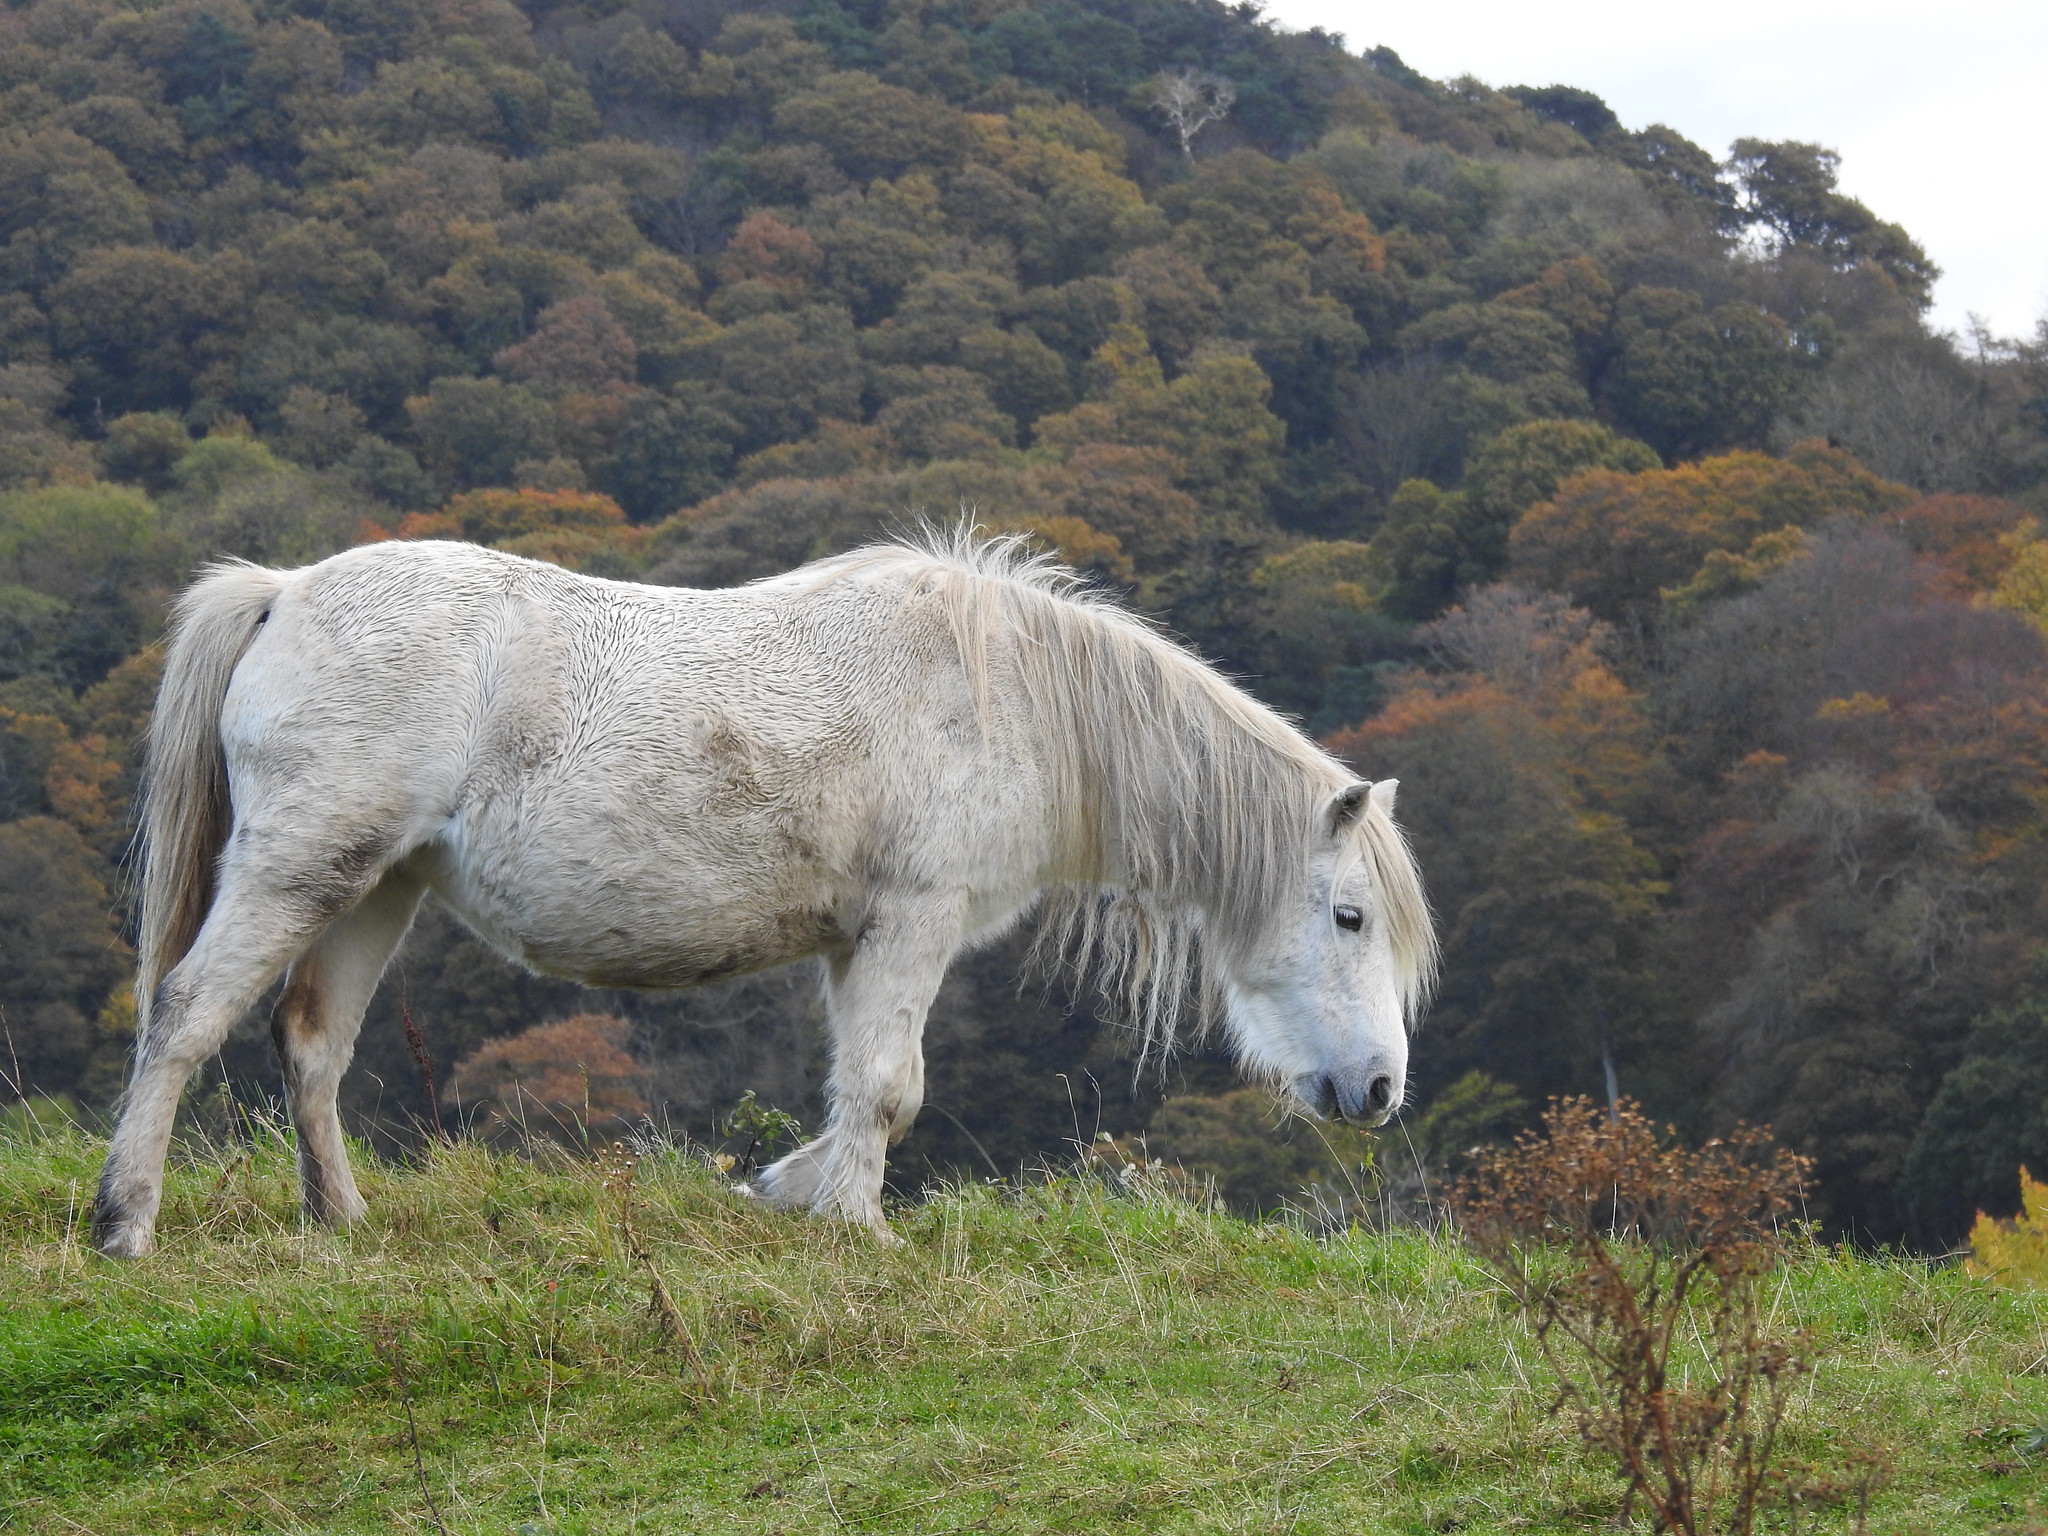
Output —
<point x="762" y="1126"/>
<point x="1639" y="1265"/>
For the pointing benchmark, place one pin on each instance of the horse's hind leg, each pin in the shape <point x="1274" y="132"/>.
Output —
<point x="315" y="1025"/>
<point x="249" y="935"/>
<point x="876" y="998"/>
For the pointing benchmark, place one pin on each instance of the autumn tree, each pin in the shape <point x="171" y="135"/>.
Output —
<point x="60" y="959"/>
<point x="764" y="250"/>
<point x="1615" y="541"/>
<point x="1433" y="544"/>
<point x="1522" y="776"/>
<point x="577" y="345"/>
<point x="572" y="1080"/>
<point x="696" y="296"/>
<point x="1211" y="422"/>
<point x="1970" y="537"/>
<point x="577" y="529"/>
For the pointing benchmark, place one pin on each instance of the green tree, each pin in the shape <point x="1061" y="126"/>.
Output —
<point x="671" y="451"/>
<point x="944" y="413"/>
<point x="77" y="565"/>
<point x="1421" y="547"/>
<point x="1988" y="1120"/>
<point x="1689" y="177"/>
<point x="779" y="375"/>
<point x="1327" y="634"/>
<point x="472" y="432"/>
<point x="1689" y="380"/>
<point x="1789" y="189"/>
<point x="143" y="323"/>
<point x="142" y="446"/>
<point x="873" y="129"/>
<point x="62" y="198"/>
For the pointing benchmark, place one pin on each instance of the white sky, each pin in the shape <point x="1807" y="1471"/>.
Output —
<point x="1939" y="111"/>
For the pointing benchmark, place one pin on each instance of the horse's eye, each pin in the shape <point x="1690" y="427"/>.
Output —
<point x="1348" y="918"/>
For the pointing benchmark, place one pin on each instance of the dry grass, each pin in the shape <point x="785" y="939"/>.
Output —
<point x="1057" y="1358"/>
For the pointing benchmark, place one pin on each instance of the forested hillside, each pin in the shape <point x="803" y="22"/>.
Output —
<point x="1614" y="496"/>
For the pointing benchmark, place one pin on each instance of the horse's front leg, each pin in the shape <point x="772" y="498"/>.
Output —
<point x="876" y="999"/>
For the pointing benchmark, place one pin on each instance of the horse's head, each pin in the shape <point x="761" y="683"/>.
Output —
<point x="1324" y="1002"/>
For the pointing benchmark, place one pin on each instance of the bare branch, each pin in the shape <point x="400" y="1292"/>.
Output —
<point x="1191" y="100"/>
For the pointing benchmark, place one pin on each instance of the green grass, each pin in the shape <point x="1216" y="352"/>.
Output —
<point x="1055" y="1359"/>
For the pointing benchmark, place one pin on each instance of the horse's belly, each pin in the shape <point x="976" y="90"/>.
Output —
<point x="618" y="918"/>
<point x="686" y="960"/>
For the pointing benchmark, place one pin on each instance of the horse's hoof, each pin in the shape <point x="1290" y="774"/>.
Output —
<point x="125" y="1243"/>
<point x="338" y="1217"/>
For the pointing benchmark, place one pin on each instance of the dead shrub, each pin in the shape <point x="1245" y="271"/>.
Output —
<point x="1640" y="1266"/>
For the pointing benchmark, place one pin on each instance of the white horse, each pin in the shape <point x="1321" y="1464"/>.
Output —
<point x="880" y="759"/>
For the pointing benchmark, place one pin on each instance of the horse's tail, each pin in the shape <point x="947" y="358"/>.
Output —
<point x="186" y="814"/>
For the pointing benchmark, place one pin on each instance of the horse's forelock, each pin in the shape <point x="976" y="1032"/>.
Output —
<point x="1403" y="908"/>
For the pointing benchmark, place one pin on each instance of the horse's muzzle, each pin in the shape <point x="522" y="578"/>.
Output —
<point x="1366" y="1095"/>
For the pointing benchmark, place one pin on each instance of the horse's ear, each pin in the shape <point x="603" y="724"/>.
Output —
<point x="1383" y="796"/>
<point x="1346" y="806"/>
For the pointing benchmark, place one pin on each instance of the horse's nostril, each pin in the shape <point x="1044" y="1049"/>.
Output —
<point x="1327" y="1102"/>
<point x="1381" y="1093"/>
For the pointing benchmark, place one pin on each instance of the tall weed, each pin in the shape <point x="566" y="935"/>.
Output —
<point x="1639" y="1265"/>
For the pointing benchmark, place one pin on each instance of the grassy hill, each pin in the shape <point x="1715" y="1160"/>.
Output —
<point x="484" y="1356"/>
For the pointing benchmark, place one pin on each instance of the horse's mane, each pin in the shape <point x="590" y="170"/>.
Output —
<point x="1185" y="807"/>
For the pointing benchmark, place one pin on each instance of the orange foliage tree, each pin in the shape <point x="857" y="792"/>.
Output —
<point x="1615" y="542"/>
<point x="577" y="529"/>
<point x="1965" y="535"/>
<point x="1518" y="770"/>
<point x="571" y="1078"/>
<point x="767" y="251"/>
